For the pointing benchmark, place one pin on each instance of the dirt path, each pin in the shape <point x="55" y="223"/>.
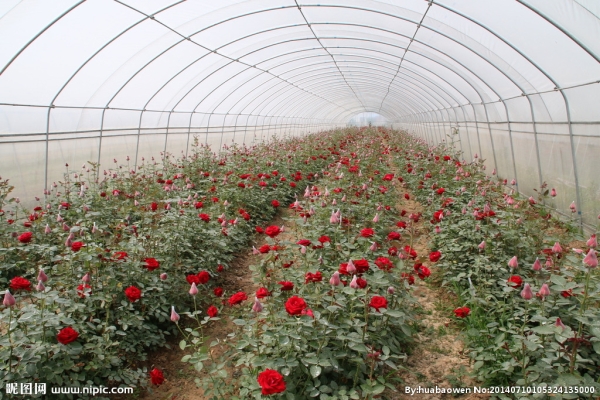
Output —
<point x="180" y="377"/>
<point x="438" y="357"/>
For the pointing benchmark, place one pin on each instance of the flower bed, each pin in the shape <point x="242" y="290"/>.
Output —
<point x="527" y="284"/>
<point x="96" y="265"/>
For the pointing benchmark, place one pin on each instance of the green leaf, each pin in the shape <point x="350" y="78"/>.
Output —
<point x="182" y="344"/>
<point x="239" y="322"/>
<point x="378" y="389"/>
<point x="315" y="371"/>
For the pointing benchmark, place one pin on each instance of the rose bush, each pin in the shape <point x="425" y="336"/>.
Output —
<point x="117" y="243"/>
<point x="490" y="243"/>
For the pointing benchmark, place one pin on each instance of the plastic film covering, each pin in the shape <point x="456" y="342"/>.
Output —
<point x="97" y="80"/>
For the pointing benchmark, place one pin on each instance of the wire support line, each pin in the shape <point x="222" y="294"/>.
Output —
<point x="330" y="55"/>
<point x="405" y="52"/>
<point x="214" y="51"/>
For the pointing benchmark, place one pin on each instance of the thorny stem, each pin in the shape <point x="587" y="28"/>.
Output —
<point x="579" y="331"/>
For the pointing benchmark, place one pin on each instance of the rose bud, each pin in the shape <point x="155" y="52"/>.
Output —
<point x="40" y="286"/>
<point x="163" y="276"/>
<point x="257" y="307"/>
<point x="526" y="293"/>
<point x="9" y="300"/>
<point x="174" y="316"/>
<point x="335" y="279"/>
<point x="193" y="289"/>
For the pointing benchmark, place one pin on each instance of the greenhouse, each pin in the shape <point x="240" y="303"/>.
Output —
<point x="374" y="199"/>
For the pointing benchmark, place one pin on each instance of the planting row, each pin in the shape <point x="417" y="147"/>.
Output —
<point x="527" y="285"/>
<point x="89" y="274"/>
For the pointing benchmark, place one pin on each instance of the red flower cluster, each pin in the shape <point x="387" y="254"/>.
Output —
<point x="378" y="302"/>
<point x="20" y="283"/>
<point x="515" y="281"/>
<point x="384" y="263"/>
<point x="410" y="278"/>
<point x="310" y="277"/>
<point x="271" y="382"/>
<point x="157" y="377"/>
<point x="367" y="232"/>
<point x="462" y="312"/>
<point x="212" y="311"/>
<point x="272" y="231"/>
<point x="151" y="264"/>
<point x="262" y="292"/>
<point x="133" y="293"/>
<point x="204" y="217"/>
<point x="82" y="289"/>
<point x="76" y="246"/>
<point x="434" y="256"/>
<point x="237" y="298"/>
<point x="67" y="335"/>
<point x="25" y="237"/>
<point x="286" y="285"/>
<point x="410" y="252"/>
<point x="394" y="236"/>
<point x="295" y="305"/>
<point x="362" y="266"/>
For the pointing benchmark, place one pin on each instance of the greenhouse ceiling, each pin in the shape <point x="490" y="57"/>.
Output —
<point x="94" y="80"/>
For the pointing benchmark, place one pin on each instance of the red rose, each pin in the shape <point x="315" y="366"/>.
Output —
<point x="82" y="290"/>
<point x="394" y="236"/>
<point x="384" y="263"/>
<point x="203" y="277"/>
<point x="441" y="191"/>
<point x="423" y="272"/>
<point x="271" y="382"/>
<point x="76" y="246"/>
<point x="133" y="293"/>
<point x="19" y="283"/>
<point x="310" y="277"/>
<point x="65" y="205"/>
<point x="293" y="184"/>
<point x="204" y="217"/>
<point x="286" y="285"/>
<point x="393" y="251"/>
<point x="294" y="305"/>
<point x="154" y="206"/>
<point x="462" y="312"/>
<point x="362" y="283"/>
<point x="25" y="237"/>
<point x="378" y="302"/>
<point x="409" y="278"/>
<point x="288" y="264"/>
<point x="237" y="298"/>
<point x="151" y="264"/>
<point x="67" y="335"/>
<point x="304" y="242"/>
<point x="272" y="231"/>
<point x="434" y="256"/>
<point x="262" y="292"/>
<point x="343" y="269"/>
<point x="212" y="311"/>
<point x="198" y="205"/>
<point x="156" y="377"/>
<point x="401" y="225"/>
<point x="388" y="177"/>
<point x="193" y="279"/>
<point x="259" y="230"/>
<point x="324" y="239"/>
<point x="265" y="248"/>
<point x="410" y="251"/>
<point x="362" y="266"/>
<point x="275" y="203"/>
<point x="220" y="268"/>
<point x="515" y="281"/>
<point x="218" y="291"/>
<point x="120" y="255"/>
<point x="567" y="293"/>
<point x="367" y="232"/>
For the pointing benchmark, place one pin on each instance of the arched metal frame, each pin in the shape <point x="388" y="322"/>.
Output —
<point x="419" y="97"/>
